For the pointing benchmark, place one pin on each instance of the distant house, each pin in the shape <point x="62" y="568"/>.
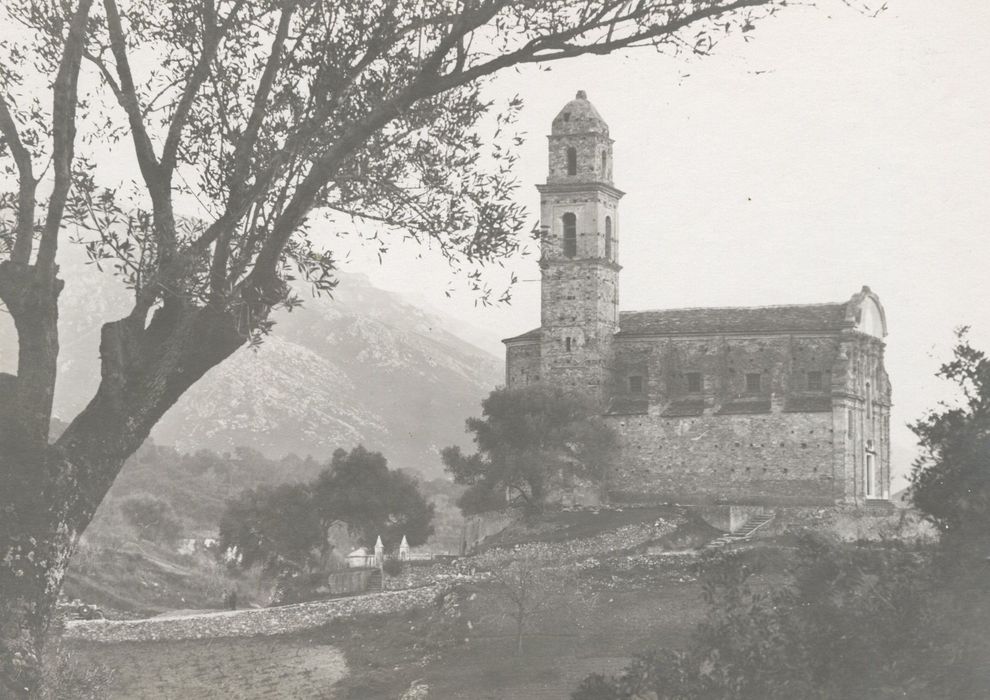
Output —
<point x="785" y="404"/>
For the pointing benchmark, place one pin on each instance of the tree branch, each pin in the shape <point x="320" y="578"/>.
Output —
<point x="66" y="99"/>
<point x="27" y="185"/>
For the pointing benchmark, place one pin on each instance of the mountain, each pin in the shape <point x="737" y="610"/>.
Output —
<point x="363" y="367"/>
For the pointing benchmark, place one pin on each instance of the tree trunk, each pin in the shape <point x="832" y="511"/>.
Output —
<point x="49" y="493"/>
<point x="39" y="523"/>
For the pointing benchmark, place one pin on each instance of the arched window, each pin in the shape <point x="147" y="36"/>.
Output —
<point x="572" y="161"/>
<point x="608" y="237"/>
<point x="570" y="235"/>
<point x="604" y="163"/>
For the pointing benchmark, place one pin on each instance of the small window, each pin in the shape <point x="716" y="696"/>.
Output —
<point x="570" y="235"/>
<point x="635" y="384"/>
<point x="608" y="237"/>
<point x="604" y="163"/>
<point x="814" y="381"/>
<point x="567" y="344"/>
<point x="869" y="402"/>
<point x="572" y="161"/>
<point x="869" y="476"/>
<point x="753" y="383"/>
<point x="694" y="382"/>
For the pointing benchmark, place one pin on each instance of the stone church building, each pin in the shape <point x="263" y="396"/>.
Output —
<point x="784" y="405"/>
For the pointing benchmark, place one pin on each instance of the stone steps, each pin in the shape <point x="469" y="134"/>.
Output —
<point x="741" y="534"/>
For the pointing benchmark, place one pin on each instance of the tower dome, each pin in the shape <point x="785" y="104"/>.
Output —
<point x="579" y="116"/>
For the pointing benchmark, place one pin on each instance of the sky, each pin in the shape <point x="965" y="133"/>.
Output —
<point x="830" y="151"/>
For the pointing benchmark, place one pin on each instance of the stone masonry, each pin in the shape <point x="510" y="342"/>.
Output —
<point x="764" y="405"/>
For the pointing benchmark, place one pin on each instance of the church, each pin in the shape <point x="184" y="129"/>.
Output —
<point x="773" y="405"/>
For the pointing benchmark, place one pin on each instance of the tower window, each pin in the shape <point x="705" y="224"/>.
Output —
<point x="608" y="237"/>
<point x="572" y="161"/>
<point x="570" y="235"/>
<point x="814" y="381"/>
<point x="694" y="382"/>
<point x="604" y="162"/>
<point x="567" y="344"/>
<point x="635" y="384"/>
<point x="753" y="383"/>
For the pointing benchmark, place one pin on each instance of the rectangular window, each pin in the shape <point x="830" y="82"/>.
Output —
<point x="753" y="383"/>
<point x="567" y="344"/>
<point x="635" y="384"/>
<point x="814" y="381"/>
<point x="694" y="382"/>
<point x="869" y="476"/>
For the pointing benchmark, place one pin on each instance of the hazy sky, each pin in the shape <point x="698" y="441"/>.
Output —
<point x="830" y="151"/>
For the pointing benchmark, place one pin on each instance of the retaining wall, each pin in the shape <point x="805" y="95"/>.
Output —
<point x="252" y="622"/>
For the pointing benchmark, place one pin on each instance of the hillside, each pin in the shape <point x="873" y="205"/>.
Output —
<point x="364" y="366"/>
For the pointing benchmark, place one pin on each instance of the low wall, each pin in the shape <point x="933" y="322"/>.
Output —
<point x="478" y="527"/>
<point x="346" y="582"/>
<point x="850" y="523"/>
<point x="249" y="623"/>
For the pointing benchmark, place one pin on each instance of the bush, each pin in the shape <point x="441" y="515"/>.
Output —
<point x="392" y="567"/>
<point x="850" y="622"/>
<point x="66" y="677"/>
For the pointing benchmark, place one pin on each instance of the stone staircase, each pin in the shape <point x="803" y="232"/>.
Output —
<point x="743" y="533"/>
<point x="374" y="582"/>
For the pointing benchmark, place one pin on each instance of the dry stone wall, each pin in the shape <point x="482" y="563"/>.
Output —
<point x="249" y="623"/>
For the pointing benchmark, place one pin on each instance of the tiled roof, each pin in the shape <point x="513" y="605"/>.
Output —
<point x="528" y="335"/>
<point x="756" y="319"/>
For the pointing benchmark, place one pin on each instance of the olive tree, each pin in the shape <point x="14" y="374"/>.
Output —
<point x="245" y="119"/>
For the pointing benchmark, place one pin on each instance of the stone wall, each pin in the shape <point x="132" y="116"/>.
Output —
<point x="248" y="623"/>
<point x="522" y="362"/>
<point x="767" y="458"/>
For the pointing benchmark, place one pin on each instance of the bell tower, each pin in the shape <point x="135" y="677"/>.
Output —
<point x="579" y="251"/>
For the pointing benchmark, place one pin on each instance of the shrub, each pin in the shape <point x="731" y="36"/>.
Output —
<point x="392" y="567"/>
<point x="850" y="622"/>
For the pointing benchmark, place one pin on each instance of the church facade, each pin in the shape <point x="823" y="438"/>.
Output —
<point x="770" y="405"/>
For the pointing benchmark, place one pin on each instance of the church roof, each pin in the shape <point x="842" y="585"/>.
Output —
<point x="578" y="116"/>
<point x="734" y="319"/>
<point x="862" y="312"/>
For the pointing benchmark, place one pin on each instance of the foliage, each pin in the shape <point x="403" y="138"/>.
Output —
<point x="392" y="566"/>
<point x="850" y="622"/>
<point x="67" y="676"/>
<point x="243" y="119"/>
<point x="277" y="527"/>
<point x="152" y="518"/>
<point x="529" y="440"/>
<point x="284" y="527"/>
<point x="950" y="482"/>
<point x="359" y="489"/>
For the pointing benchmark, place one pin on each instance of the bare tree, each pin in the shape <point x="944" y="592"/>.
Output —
<point x="244" y="118"/>
<point x="528" y="585"/>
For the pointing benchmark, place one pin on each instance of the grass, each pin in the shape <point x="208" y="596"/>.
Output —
<point x="561" y="526"/>
<point x="463" y="650"/>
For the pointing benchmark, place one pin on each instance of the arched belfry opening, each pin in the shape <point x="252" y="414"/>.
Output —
<point x="608" y="238"/>
<point x="572" y="161"/>
<point x="570" y="235"/>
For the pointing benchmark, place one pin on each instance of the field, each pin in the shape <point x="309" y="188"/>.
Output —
<point x="621" y="603"/>
<point x="379" y="656"/>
